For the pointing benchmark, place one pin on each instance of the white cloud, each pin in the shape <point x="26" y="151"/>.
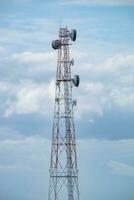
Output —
<point x="93" y="88"/>
<point x="114" y="66"/>
<point x="81" y="2"/>
<point x="35" y="62"/>
<point x="31" y="97"/>
<point x="116" y="63"/>
<point x="123" y="98"/>
<point x="121" y="168"/>
<point x="26" y="33"/>
<point x="104" y="86"/>
<point x="91" y="100"/>
<point x="97" y="2"/>
<point x="94" y="98"/>
<point x="33" y="57"/>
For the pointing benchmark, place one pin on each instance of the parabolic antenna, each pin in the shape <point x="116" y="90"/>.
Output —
<point x="73" y="34"/>
<point x="76" y="80"/>
<point x="56" y="44"/>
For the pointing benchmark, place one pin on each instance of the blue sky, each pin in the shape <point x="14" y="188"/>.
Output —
<point x="104" y="115"/>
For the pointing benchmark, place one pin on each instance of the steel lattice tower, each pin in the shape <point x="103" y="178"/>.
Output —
<point x="63" y="183"/>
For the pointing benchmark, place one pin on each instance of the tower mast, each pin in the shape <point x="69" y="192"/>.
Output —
<point x="63" y="183"/>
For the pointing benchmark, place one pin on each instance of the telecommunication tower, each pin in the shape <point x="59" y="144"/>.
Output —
<point x="63" y="183"/>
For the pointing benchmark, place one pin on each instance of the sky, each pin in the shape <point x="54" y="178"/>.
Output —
<point x="104" y="115"/>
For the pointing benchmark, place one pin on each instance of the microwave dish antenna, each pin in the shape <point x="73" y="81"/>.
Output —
<point x="73" y="35"/>
<point x="76" y="80"/>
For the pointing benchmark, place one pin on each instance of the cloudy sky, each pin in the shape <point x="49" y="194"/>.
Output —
<point x="104" y="115"/>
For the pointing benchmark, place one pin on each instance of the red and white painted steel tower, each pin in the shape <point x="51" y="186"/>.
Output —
<point x="63" y="182"/>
